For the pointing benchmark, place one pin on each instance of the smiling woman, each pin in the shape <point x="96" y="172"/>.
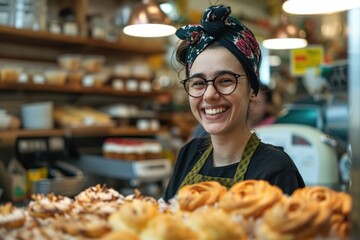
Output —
<point x="221" y="58"/>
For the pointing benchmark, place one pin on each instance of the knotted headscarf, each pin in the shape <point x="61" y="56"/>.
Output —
<point x="217" y="25"/>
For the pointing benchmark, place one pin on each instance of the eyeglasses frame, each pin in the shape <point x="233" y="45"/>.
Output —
<point x="236" y="75"/>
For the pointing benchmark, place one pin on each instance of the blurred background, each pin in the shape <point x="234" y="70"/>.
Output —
<point x="85" y="99"/>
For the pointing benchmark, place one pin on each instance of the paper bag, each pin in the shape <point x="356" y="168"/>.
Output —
<point x="13" y="179"/>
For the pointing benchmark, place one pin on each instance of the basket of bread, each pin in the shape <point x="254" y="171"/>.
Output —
<point x="251" y="209"/>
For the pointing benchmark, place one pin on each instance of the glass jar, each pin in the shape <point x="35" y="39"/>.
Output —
<point x="30" y="14"/>
<point x="4" y="12"/>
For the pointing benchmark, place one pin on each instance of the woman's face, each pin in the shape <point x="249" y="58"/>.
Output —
<point x="220" y="114"/>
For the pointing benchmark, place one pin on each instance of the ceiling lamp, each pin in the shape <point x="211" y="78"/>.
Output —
<point x="285" y="36"/>
<point x="148" y="20"/>
<point x="312" y="7"/>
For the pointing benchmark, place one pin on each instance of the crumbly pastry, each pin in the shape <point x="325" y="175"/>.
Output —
<point x="339" y="204"/>
<point x="99" y="200"/>
<point x="167" y="227"/>
<point x="41" y="233"/>
<point x="133" y="216"/>
<point x="44" y="206"/>
<point x="200" y="194"/>
<point x="11" y="216"/>
<point x="34" y="228"/>
<point x="293" y="218"/>
<point x="98" y="193"/>
<point x="214" y="224"/>
<point x="99" y="208"/>
<point x="250" y="198"/>
<point x="138" y="195"/>
<point x="82" y="225"/>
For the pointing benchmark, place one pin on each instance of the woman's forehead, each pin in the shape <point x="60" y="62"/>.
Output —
<point x="214" y="60"/>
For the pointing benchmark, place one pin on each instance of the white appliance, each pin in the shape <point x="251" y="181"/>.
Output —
<point x="312" y="151"/>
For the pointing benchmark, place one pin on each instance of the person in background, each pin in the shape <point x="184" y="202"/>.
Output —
<point x="221" y="59"/>
<point x="261" y="109"/>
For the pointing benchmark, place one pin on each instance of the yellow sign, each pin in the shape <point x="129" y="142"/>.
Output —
<point x="303" y="58"/>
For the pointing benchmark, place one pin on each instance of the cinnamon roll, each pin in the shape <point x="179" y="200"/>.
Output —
<point x="200" y="194"/>
<point x="250" y="198"/>
<point x="293" y="218"/>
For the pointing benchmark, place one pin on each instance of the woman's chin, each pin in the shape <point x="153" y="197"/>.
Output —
<point x="213" y="130"/>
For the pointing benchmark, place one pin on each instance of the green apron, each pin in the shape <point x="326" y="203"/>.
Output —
<point x="195" y="177"/>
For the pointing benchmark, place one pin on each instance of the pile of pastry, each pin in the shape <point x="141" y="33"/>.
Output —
<point x="251" y="209"/>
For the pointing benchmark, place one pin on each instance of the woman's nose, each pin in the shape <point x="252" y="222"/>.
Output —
<point x="211" y="92"/>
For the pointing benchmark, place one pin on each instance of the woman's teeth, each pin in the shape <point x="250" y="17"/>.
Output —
<point x="213" y="111"/>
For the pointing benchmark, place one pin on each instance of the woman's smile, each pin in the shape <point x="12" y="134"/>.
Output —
<point x="215" y="111"/>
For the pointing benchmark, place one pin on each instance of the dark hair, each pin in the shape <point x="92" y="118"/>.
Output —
<point x="267" y="93"/>
<point x="181" y="53"/>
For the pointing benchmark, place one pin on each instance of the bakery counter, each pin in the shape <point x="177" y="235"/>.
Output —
<point x="142" y="170"/>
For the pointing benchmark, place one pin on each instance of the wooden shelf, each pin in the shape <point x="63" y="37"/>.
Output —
<point x="72" y="89"/>
<point x="32" y="133"/>
<point x="124" y="44"/>
<point x="8" y="137"/>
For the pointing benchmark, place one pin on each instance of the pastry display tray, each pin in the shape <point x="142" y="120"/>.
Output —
<point x="146" y="170"/>
<point x="68" y="185"/>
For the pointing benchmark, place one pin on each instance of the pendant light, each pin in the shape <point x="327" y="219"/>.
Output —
<point x="285" y="36"/>
<point x="312" y="7"/>
<point x="148" y="20"/>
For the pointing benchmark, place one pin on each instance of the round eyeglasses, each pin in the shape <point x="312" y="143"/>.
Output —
<point x="224" y="84"/>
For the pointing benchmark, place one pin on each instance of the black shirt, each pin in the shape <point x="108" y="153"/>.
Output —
<point x="267" y="163"/>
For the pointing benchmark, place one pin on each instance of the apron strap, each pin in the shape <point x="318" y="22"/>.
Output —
<point x="195" y="177"/>
<point x="249" y="150"/>
<point x="191" y="176"/>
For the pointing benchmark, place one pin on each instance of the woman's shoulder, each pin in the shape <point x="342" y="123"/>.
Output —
<point x="266" y="148"/>
<point x="271" y="154"/>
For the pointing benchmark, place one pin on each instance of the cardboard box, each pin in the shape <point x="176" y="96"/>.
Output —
<point x="13" y="180"/>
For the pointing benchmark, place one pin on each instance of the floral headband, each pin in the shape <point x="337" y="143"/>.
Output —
<point x="217" y="25"/>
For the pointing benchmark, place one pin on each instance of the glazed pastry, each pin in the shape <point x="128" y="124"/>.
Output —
<point x="44" y="206"/>
<point x="167" y="227"/>
<point x="340" y="220"/>
<point x="214" y="224"/>
<point x="200" y="194"/>
<point x="133" y="216"/>
<point x="11" y="217"/>
<point x="338" y="203"/>
<point x="120" y="235"/>
<point x="250" y="198"/>
<point x="293" y="218"/>
<point x="83" y="225"/>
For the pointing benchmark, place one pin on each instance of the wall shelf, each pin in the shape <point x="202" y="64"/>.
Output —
<point x="124" y="44"/>
<point x="74" y="89"/>
<point x="8" y="137"/>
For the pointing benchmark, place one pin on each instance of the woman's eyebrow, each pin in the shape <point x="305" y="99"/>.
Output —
<point x="217" y="73"/>
<point x="198" y="75"/>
